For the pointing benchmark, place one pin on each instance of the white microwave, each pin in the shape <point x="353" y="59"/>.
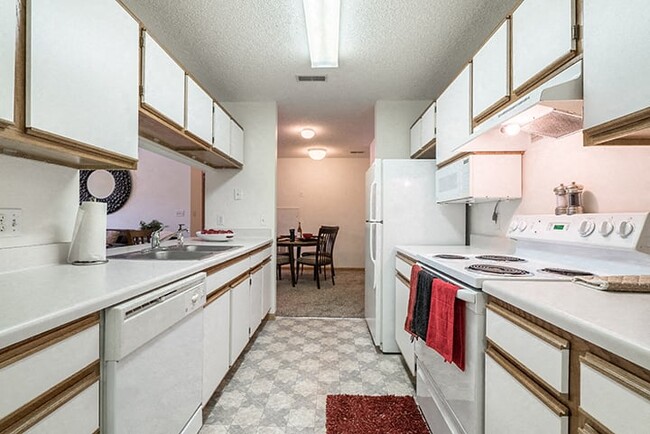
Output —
<point x="479" y="178"/>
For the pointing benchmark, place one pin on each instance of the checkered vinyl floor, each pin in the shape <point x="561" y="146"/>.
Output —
<point x="282" y="382"/>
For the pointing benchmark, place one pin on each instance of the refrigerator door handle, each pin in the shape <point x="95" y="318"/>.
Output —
<point x="373" y="243"/>
<point x="373" y="201"/>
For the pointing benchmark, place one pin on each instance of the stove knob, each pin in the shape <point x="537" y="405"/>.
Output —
<point x="513" y="226"/>
<point x="605" y="228"/>
<point x="522" y="226"/>
<point x="625" y="228"/>
<point x="586" y="228"/>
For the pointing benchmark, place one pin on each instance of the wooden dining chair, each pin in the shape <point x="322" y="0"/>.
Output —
<point x="138" y="236"/>
<point x="313" y="253"/>
<point x="324" y="253"/>
<point x="282" y="259"/>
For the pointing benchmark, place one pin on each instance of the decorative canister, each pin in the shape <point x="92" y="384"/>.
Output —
<point x="560" y="199"/>
<point x="574" y="203"/>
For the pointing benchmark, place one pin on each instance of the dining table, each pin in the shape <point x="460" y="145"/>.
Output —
<point x="294" y="246"/>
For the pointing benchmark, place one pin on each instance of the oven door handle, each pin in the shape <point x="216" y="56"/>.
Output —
<point x="466" y="294"/>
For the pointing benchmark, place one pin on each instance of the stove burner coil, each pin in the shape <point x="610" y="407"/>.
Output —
<point x="500" y="258"/>
<point x="446" y="256"/>
<point x="565" y="272"/>
<point x="499" y="270"/>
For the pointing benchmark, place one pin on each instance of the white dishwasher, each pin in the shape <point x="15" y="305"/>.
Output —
<point x="152" y="360"/>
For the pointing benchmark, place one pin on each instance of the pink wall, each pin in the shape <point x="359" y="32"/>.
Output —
<point x="616" y="179"/>
<point x="327" y="192"/>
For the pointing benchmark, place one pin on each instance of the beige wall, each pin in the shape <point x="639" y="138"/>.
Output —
<point x="328" y="192"/>
<point x="616" y="179"/>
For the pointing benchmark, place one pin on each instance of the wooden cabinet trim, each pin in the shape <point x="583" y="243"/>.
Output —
<point x="428" y="147"/>
<point x="587" y="429"/>
<point x="224" y="265"/>
<point x="485" y="114"/>
<point x="23" y="349"/>
<point x="238" y="280"/>
<point x="554" y="405"/>
<point x="614" y="131"/>
<point x="545" y="74"/>
<point x="402" y="279"/>
<point x="214" y="296"/>
<point x="261" y="248"/>
<point x="406" y="258"/>
<point x="618" y="375"/>
<point x="25" y="417"/>
<point x="261" y="265"/>
<point x="537" y="331"/>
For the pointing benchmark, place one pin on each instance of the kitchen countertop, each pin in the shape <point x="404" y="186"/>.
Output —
<point x="39" y="299"/>
<point x="617" y="322"/>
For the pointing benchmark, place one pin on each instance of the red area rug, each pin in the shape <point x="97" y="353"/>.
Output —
<point x="361" y="414"/>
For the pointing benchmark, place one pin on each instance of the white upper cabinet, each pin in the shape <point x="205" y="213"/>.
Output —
<point x="221" y="130"/>
<point x="82" y="73"/>
<point x="236" y="142"/>
<point x="163" y="82"/>
<point x="542" y="37"/>
<point x="198" y="116"/>
<point x="416" y="136"/>
<point x="8" y="26"/>
<point x="616" y="63"/>
<point x="491" y="73"/>
<point x="454" y="116"/>
<point x="428" y="125"/>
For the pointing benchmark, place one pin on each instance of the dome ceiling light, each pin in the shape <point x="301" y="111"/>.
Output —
<point x="317" y="153"/>
<point x="307" y="133"/>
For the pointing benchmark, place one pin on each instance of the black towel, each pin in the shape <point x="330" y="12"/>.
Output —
<point x="422" y="304"/>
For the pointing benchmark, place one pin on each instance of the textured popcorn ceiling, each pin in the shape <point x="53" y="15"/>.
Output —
<point x="252" y="50"/>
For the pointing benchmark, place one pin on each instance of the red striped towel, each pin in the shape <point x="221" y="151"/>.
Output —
<point x="446" y="329"/>
<point x="408" y="324"/>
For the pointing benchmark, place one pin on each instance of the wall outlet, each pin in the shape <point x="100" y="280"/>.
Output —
<point x="10" y="221"/>
<point x="180" y="213"/>
<point x="238" y="193"/>
<point x="220" y="220"/>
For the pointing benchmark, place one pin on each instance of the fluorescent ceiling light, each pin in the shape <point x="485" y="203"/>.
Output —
<point x="307" y="133"/>
<point x="317" y="153"/>
<point x="323" y="18"/>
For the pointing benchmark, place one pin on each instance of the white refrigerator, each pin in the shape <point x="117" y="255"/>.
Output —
<point x="401" y="209"/>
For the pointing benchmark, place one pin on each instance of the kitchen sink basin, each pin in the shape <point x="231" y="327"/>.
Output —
<point x="175" y="253"/>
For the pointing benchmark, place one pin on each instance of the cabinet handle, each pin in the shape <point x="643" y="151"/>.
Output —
<point x="534" y="329"/>
<point x="406" y="259"/>
<point x="554" y="405"/>
<point x="619" y="375"/>
<point x="402" y="279"/>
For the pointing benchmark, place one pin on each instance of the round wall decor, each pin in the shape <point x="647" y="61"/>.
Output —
<point x="110" y="186"/>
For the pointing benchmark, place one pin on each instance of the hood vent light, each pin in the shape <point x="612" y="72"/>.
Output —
<point x="311" y="78"/>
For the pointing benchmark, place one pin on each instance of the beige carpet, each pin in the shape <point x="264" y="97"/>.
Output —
<point x="343" y="300"/>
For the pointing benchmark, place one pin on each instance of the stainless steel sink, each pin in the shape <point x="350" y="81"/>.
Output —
<point x="175" y="253"/>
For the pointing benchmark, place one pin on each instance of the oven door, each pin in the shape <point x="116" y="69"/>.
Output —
<point x="457" y="395"/>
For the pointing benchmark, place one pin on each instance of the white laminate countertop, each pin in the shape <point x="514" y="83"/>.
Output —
<point x="39" y="299"/>
<point x="618" y="322"/>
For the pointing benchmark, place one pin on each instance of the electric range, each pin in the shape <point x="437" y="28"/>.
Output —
<point x="547" y="248"/>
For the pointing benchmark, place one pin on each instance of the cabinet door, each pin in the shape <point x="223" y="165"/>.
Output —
<point x="403" y="339"/>
<point x="616" y="65"/>
<point x="221" y="139"/>
<point x="542" y="37"/>
<point x="267" y="292"/>
<point x="80" y="415"/>
<point x="163" y="82"/>
<point x="236" y="142"/>
<point x="198" y="116"/>
<point x="454" y="116"/>
<point x="216" y="343"/>
<point x="416" y="136"/>
<point x="239" y="318"/>
<point x="517" y="405"/>
<point x="8" y="25"/>
<point x="428" y="125"/>
<point x="82" y="73"/>
<point x="257" y="286"/>
<point x="491" y="74"/>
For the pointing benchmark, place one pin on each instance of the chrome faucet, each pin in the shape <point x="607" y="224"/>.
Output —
<point x="156" y="240"/>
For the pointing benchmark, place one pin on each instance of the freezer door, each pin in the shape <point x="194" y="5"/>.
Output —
<point x="373" y="281"/>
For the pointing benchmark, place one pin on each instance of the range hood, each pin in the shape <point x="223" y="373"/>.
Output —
<point x="553" y="109"/>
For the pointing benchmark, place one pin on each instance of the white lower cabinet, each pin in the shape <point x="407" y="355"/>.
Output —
<point x="267" y="291"/>
<point x="403" y="338"/>
<point x="616" y="398"/>
<point x="515" y="404"/>
<point x="80" y="415"/>
<point x="216" y="341"/>
<point x="50" y="383"/>
<point x="239" y="317"/>
<point x="256" y="290"/>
